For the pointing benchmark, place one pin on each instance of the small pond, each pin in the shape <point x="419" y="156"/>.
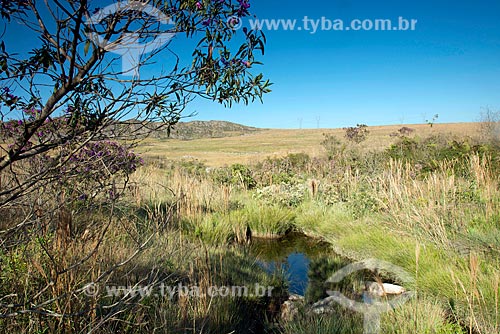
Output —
<point x="291" y="255"/>
<point x="307" y="263"/>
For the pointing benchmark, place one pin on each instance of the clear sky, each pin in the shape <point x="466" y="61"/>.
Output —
<point x="449" y="66"/>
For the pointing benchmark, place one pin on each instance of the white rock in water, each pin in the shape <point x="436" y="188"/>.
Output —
<point x="383" y="289"/>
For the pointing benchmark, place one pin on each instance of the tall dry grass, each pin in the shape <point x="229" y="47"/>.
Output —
<point x="441" y="205"/>
<point x="192" y="196"/>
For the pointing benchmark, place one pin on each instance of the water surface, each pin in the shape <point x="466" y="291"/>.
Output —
<point x="291" y="255"/>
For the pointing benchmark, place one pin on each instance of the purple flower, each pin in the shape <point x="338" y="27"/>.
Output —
<point x="244" y="4"/>
<point x="199" y="5"/>
<point x="207" y="22"/>
<point x="19" y="122"/>
<point x="31" y="112"/>
<point x="243" y="10"/>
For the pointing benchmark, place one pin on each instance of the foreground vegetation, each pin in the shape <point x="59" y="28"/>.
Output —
<point x="429" y="204"/>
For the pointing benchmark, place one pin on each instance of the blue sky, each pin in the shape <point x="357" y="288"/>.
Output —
<point x="449" y="66"/>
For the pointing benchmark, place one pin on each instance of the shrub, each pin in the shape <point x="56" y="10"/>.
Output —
<point x="287" y="169"/>
<point x="283" y="194"/>
<point x="333" y="193"/>
<point x="404" y="148"/>
<point x="298" y="160"/>
<point x="237" y="174"/>
<point x="362" y="202"/>
<point x="357" y="134"/>
<point x="428" y="152"/>
<point x="333" y="146"/>
<point x="489" y="126"/>
<point x="403" y="132"/>
<point x="193" y="167"/>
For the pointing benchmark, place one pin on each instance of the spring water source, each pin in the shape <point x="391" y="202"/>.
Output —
<point x="307" y="264"/>
<point x="291" y="255"/>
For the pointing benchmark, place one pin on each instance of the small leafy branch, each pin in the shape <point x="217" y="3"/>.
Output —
<point x="68" y="120"/>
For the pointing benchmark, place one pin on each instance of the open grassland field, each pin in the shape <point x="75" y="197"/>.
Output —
<point x="256" y="146"/>
<point x="426" y="201"/>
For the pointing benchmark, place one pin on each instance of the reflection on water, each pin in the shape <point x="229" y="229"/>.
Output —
<point x="308" y="263"/>
<point x="291" y="255"/>
<point x="295" y="266"/>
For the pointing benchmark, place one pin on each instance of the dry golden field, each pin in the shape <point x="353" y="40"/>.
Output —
<point x="249" y="148"/>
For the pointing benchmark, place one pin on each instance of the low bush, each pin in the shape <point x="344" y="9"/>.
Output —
<point x="237" y="174"/>
<point x="284" y="194"/>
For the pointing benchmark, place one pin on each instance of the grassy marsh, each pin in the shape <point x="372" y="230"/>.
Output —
<point x="428" y="203"/>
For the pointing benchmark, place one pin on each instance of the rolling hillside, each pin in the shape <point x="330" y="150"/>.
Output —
<point x="205" y="129"/>
<point x="219" y="144"/>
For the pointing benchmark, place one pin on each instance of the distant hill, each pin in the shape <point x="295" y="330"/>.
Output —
<point x="259" y="144"/>
<point x="206" y="129"/>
